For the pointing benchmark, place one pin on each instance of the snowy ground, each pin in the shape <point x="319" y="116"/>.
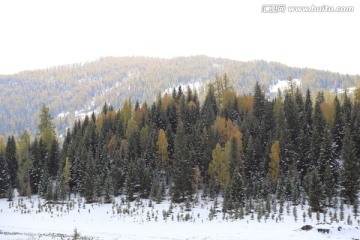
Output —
<point x="32" y="218"/>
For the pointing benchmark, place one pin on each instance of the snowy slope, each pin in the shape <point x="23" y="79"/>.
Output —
<point x="142" y="220"/>
<point x="282" y="85"/>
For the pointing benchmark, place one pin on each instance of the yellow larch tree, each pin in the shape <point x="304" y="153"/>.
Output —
<point x="274" y="164"/>
<point x="162" y="147"/>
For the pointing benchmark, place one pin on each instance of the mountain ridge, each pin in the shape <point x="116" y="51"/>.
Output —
<point x="87" y="86"/>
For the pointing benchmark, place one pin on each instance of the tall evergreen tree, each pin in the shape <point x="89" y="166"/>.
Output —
<point x="182" y="167"/>
<point x="89" y="177"/>
<point x="329" y="185"/>
<point x="250" y="168"/>
<point x="305" y="138"/>
<point x="315" y="191"/>
<point x="259" y="102"/>
<point x="237" y="188"/>
<point x="4" y="176"/>
<point x="326" y="157"/>
<point x="318" y="132"/>
<point x="292" y="130"/>
<point x="350" y="169"/>
<point x="10" y="156"/>
<point x="130" y="181"/>
<point x="53" y="160"/>
<point x="209" y="110"/>
<point x="235" y="161"/>
<point x="347" y="110"/>
<point x="338" y="130"/>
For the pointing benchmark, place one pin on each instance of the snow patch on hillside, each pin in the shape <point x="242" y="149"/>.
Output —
<point x="349" y="90"/>
<point x="198" y="85"/>
<point x="282" y="85"/>
<point x="63" y="114"/>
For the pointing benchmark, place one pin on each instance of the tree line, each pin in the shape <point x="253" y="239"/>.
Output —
<point x="239" y="146"/>
<point x="70" y="89"/>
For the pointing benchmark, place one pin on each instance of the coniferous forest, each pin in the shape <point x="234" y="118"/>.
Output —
<point x="295" y="147"/>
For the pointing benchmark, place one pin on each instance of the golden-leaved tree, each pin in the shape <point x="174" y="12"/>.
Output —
<point x="162" y="147"/>
<point x="218" y="168"/>
<point x="274" y="160"/>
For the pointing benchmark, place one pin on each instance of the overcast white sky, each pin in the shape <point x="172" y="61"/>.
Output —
<point x="43" y="33"/>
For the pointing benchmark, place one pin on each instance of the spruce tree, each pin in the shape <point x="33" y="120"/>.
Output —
<point x="130" y="181"/>
<point x="182" y="167"/>
<point x="4" y="176"/>
<point x="329" y="185"/>
<point x="237" y="190"/>
<point x="259" y="102"/>
<point x="292" y="129"/>
<point x="319" y="125"/>
<point x="89" y="179"/>
<point x="250" y="167"/>
<point x="234" y="160"/>
<point x="326" y="157"/>
<point x="316" y="191"/>
<point x="65" y="179"/>
<point x="350" y="169"/>
<point x="338" y="130"/>
<point x="347" y="110"/>
<point x="305" y="138"/>
<point x="53" y="160"/>
<point x="10" y="156"/>
<point x="209" y="110"/>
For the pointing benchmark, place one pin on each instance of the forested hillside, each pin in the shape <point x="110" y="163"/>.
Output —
<point x="71" y="91"/>
<point x="242" y="146"/>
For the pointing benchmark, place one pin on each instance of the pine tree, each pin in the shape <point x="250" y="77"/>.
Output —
<point x="319" y="125"/>
<point x="295" y="188"/>
<point x="234" y="158"/>
<point x="182" y="167"/>
<point x="326" y="157"/>
<point x="209" y="110"/>
<point x="329" y="185"/>
<point x="108" y="190"/>
<point x="292" y="129"/>
<point x="38" y="156"/>
<point x="347" y="110"/>
<point x="259" y="102"/>
<point x="316" y="191"/>
<point x="89" y="178"/>
<point x="237" y="190"/>
<point x="25" y="163"/>
<point x="65" y="179"/>
<point x="10" y="156"/>
<point x="250" y="167"/>
<point x="305" y="138"/>
<point x="130" y="181"/>
<point x="4" y="176"/>
<point x="338" y="129"/>
<point x="54" y="158"/>
<point x="350" y="169"/>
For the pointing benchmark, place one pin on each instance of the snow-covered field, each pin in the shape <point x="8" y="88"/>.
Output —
<point x="26" y="218"/>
